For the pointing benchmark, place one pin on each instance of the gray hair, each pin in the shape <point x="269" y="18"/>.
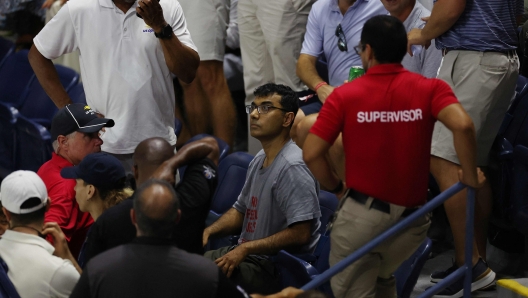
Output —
<point x="55" y="143"/>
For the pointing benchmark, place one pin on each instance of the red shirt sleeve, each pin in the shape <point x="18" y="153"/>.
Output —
<point x="330" y="120"/>
<point x="442" y="97"/>
<point x="62" y="197"/>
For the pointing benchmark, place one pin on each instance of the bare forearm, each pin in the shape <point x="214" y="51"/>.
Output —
<point x="181" y="60"/>
<point x="190" y="153"/>
<point x="307" y="72"/>
<point x="315" y="159"/>
<point x="291" y="238"/>
<point x="443" y="16"/>
<point x="48" y="78"/>
<point x="228" y="224"/>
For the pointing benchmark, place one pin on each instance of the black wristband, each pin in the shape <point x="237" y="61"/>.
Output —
<point x="339" y="188"/>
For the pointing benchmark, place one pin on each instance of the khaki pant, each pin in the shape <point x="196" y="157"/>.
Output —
<point x="484" y="83"/>
<point x="372" y="275"/>
<point x="271" y="36"/>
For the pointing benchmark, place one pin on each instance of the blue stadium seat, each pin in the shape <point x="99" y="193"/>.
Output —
<point x="519" y="191"/>
<point x="15" y="75"/>
<point x="232" y="172"/>
<point x="7" y="48"/>
<point x="37" y="105"/>
<point x="296" y="272"/>
<point x="521" y="91"/>
<point x="328" y="203"/>
<point x="407" y="274"/>
<point x="76" y="94"/>
<point x="7" y="289"/>
<point x="33" y="144"/>
<point x="8" y="118"/>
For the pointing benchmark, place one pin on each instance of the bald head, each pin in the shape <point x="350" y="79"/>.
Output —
<point x="156" y="209"/>
<point x="149" y="155"/>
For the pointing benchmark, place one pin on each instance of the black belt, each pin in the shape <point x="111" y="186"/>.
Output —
<point x="505" y="52"/>
<point x="377" y="204"/>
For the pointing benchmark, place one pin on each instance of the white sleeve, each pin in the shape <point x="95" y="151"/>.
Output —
<point x="58" y="36"/>
<point x="179" y="26"/>
<point x="64" y="280"/>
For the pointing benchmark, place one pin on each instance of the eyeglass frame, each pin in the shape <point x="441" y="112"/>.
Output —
<point x="359" y="48"/>
<point x="252" y="107"/>
<point x="341" y="39"/>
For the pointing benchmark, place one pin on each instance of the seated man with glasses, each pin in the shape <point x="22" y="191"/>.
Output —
<point x="278" y="207"/>
<point x="75" y="131"/>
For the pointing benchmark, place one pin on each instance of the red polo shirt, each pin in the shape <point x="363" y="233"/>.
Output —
<point x="387" y="118"/>
<point x="64" y="209"/>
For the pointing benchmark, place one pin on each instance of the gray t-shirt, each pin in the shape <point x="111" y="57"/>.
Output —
<point x="428" y="61"/>
<point x="275" y="197"/>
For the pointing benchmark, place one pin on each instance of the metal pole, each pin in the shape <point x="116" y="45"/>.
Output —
<point x="341" y="265"/>
<point x="470" y="212"/>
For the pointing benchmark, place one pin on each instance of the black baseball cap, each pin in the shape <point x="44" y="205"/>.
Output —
<point x="102" y="170"/>
<point x="77" y="117"/>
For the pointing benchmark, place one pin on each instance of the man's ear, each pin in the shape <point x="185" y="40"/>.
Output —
<point x="136" y="172"/>
<point x="369" y="52"/>
<point x="62" y="140"/>
<point x="288" y="119"/>
<point x="7" y="214"/>
<point x="48" y="204"/>
<point x="179" y="216"/>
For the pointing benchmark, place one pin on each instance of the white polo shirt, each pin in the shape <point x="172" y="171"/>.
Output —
<point x="32" y="268"/>
<point x="123" y="67"/>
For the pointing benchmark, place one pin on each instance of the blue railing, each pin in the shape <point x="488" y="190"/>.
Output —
<point x="437" y="201"/>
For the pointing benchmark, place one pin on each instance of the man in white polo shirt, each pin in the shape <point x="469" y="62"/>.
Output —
<point x="126" y="64"/>
<point x="32" y="268"/>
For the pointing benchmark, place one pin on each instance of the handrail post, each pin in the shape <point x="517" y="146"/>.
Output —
<point x="470" y="213"/>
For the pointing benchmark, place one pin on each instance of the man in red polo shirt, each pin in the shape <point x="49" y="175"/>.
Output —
<point x="75" y="131"/>
<point x="386" y="119"/>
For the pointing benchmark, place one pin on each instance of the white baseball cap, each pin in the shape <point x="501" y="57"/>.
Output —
<point x="20" y="186"/>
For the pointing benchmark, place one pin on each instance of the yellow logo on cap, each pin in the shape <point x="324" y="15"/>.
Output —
<point x="87" y="108"/>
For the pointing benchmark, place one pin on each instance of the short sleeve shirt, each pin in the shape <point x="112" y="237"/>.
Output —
<point x="386" y="118"/>
<point x="123" y="67"/>
<point x="278" y="196"/>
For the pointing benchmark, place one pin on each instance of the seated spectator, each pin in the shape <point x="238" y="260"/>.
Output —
<point x="278" y="207"/>
<point x="162" y="270"/>
<point x="75" y="132"/>
<point x="36" y="268"/>
<point x="100" y="184"/>
<point x="195" y="192"/>
<point x="386" y="118"/>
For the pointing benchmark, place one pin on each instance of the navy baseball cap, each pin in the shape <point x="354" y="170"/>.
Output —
<point x="77" y="117"/>
<point x="99" y="169"/>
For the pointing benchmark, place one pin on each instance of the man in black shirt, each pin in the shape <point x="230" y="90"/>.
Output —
<point x="151" y="266"/>
<point x="155" y="157"/>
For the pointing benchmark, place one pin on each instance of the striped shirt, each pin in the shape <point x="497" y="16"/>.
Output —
<point x="485" y="25"/>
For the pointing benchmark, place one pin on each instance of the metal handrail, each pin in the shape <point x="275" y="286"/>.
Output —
<point x="437" y="201"/>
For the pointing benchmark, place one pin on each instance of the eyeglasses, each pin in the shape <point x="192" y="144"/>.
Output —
<point x="341" y="39"/>
<point x="359" y="48"/>
<point x="263" y="109"/>
<point x="93" y="135"/>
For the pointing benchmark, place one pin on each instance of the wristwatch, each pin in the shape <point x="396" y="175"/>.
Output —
<point x="165" y="33"/>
